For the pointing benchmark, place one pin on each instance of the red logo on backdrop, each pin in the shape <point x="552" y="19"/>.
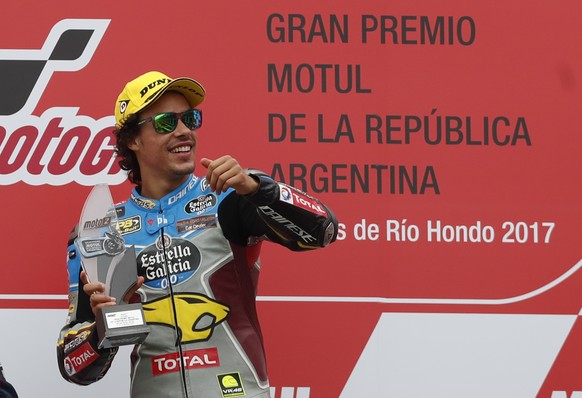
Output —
<point x="60" y="146"/>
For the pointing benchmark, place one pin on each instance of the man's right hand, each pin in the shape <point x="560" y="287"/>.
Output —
<point x="96" y="293"/>
<point x="97" y="296"/>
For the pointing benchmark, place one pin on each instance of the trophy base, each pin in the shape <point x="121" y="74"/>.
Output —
<point x="121" y="325"/>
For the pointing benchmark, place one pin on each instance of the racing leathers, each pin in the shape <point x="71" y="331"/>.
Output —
<point x="200" y="250"/>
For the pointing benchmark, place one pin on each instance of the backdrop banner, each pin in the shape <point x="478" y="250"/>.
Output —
<point x="443" y="135"/>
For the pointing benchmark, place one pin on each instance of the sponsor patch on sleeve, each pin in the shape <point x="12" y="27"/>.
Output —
<point x="80" y="359"/>
<point x="300" y="199"/>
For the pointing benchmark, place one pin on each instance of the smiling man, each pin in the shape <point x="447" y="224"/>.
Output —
<point x="198" y="242"/>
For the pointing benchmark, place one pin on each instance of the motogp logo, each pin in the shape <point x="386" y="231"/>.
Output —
<point x="60" y="146"/>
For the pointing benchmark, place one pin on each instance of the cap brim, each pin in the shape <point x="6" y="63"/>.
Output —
<point x="189" y="88"/>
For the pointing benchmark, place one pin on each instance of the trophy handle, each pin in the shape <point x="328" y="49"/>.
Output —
<point x="121" y="275"/>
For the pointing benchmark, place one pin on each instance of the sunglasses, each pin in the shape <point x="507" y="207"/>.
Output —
<point x="165" y="123"/>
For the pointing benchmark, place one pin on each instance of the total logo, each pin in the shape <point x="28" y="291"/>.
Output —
<point x="60" y="146"/>
<point x="80" y="359"/>
<point x="191" y="359"/>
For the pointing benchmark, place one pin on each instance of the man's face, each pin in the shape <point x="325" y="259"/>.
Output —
<point x="165" y="159"/>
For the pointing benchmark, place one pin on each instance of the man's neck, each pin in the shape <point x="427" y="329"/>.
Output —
<point x="157" y="189"/>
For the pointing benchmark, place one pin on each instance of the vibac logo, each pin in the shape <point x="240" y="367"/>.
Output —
<point x="60" y="146"/>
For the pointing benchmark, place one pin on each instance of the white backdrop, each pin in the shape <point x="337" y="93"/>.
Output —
<point x="32" y="368"/>
<point x="476" y="355"/>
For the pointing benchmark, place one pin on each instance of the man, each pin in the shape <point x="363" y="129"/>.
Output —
<point x="198" y="242"/>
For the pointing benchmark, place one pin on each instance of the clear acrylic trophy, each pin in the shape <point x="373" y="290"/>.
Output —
<point x="105" y="259"/>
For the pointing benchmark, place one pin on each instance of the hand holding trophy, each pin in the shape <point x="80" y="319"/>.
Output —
<point x="105" y="259"/>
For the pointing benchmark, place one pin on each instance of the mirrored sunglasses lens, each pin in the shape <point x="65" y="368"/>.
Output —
<point x="192" y="119"/>
<point x="165" y="123"/>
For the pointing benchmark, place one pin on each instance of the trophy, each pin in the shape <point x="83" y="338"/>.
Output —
<point x="105" y="259"/>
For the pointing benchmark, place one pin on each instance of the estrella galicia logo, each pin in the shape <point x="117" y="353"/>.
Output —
<point x="200" y="204"/>
<point x="177" y="260"/>
<point x="59" y="146"/>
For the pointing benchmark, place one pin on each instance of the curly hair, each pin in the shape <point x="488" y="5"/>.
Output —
<point x="124" y="135"/>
